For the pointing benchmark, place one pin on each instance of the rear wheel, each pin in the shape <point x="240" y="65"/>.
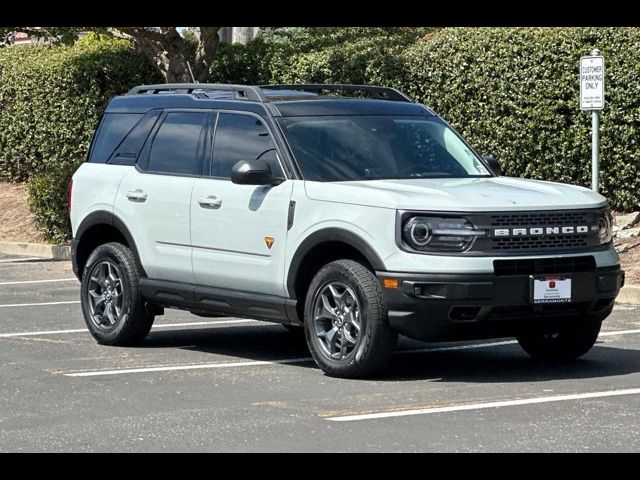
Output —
<point x="564" y="343"/>
<point x="346" y="321"/>
<point x="113" y="309"/>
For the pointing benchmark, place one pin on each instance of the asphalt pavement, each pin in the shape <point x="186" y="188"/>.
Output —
<point x="229" y="384"/>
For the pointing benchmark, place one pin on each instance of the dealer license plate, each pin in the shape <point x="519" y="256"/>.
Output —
<point x="551" y="289"/>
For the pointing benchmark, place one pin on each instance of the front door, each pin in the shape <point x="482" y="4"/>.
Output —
<point x="238" y="232"/>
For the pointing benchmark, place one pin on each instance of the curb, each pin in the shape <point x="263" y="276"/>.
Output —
<point x="41" y="250"/>
<point x="629" y="294"/>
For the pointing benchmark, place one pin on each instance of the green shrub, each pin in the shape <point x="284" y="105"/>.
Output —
<point x="312" y="54"/>
<point x="51" y="98"/>
<point x="48" y="201"/>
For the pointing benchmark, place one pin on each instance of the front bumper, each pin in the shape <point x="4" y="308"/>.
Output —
<point x="471" y="306"/>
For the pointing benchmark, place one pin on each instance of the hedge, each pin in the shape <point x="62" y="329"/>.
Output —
<point x="51" y="98"/>
<point x="513" y="92"/>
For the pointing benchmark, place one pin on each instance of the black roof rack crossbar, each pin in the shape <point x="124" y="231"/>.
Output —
<point x="385" y="93"/>
<point x="240" y="92"/>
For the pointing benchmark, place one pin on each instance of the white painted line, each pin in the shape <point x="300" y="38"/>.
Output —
<point x="27" y="259"/>
<point x="39" y="304"/>
<point x="273" y="362"/>
<point x="40" y="281"/>
<point x="43" y="332"/>
<point x="160" y="325"/>
<point x="480" y="406"/>
<point x="618" y="332"/>
<point x="187" y="367"/>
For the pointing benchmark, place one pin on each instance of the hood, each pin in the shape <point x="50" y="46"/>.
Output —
<point x="460" y="194"/>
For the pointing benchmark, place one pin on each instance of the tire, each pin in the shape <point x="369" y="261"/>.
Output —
<point x="112" y="307"/>
<point x="348" y="352"/>
<point x="565" y="343"/>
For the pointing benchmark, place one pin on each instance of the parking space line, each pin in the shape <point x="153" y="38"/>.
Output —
<point x="160" y="325"/>
<point x="12" y="305"/>
<point x="251" y="363"/>
<point x="485" y="405"/>
<point x="40" y="281"/>
<point x="26" y="259"/>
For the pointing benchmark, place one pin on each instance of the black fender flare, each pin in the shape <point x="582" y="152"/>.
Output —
<point x="102" y="217"/>
<point x="330" y="235"/>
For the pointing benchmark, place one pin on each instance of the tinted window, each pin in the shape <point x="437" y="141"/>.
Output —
<point x="241" y="137"/>
<point x="113" y="128"/>
<point x="127" y="152"/>
<point x="370" y="147"/>
<point x="177" y="146"/>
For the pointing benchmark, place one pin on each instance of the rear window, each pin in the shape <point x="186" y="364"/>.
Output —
<point x="178" y="145"/>
<point x="112" y="130"/>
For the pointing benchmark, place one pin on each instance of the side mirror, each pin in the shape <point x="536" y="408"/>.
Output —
<point x="253" y="172"/>
<point x="494" y="164"/>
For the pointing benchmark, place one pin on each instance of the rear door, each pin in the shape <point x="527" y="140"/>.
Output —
<point x="154" y="199"/>
<point x="239" y="232"/>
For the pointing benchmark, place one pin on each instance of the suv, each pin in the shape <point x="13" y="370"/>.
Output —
<point x="350" y="211"/>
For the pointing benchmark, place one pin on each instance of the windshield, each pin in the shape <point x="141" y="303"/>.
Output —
<point x="372" y="147"/>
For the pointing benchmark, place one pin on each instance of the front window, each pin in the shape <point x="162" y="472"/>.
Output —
<point x="375" y="147"/>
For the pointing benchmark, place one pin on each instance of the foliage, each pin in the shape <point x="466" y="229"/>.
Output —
<point x="48" y="201"/>
<point x="51" y="98"/>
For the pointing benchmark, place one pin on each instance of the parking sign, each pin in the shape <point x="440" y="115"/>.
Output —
<point x="592" y="82"/>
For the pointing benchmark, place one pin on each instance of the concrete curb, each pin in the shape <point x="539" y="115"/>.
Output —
<point x="629" y="294"/>
<point x="41" y="250"/>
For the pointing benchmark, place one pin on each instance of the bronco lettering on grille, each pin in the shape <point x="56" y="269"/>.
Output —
<point x="540" y="231"/>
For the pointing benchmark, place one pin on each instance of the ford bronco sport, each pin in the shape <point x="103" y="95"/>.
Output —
<point x="349" y="211"/>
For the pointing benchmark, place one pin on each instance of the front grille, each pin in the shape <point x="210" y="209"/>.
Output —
<point x="539" y="266"/>
<point x="546" y="240"/>
<point x="539" y="219"/>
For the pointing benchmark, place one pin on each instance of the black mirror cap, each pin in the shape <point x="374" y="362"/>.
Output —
<point x="494" y="164"/>
<point x="252" y="172"/>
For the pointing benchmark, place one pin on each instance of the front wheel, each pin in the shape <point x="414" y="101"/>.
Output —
<point x="565" y="343"/>
<point x="113" y="309"/>
<point x="346" y="323"/>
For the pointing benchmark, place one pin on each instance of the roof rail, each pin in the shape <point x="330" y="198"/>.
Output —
<point x="385" y="93"/>
<point x="240" y="92"/>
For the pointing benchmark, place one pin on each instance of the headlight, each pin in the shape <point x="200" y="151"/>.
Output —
<point x="605" y="227"/>
<point x="439" y="234"/>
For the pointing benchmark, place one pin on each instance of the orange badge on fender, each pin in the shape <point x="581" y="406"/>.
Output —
<point x="269" y="241"/>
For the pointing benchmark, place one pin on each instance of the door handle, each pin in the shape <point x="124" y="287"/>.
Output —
<point x="136" y="195"/>
<point x="209" y="202"/>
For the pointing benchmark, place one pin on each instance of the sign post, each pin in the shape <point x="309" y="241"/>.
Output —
<point x="592" y="98"/>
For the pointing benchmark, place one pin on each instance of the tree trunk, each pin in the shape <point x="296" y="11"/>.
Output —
<point x="168" y="51"/>
<point x="206" y="51"/>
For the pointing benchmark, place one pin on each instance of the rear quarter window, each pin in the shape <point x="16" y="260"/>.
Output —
<point x="113" y="128"/>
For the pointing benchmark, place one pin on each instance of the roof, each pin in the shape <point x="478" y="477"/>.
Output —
<point x="279" y="100"/>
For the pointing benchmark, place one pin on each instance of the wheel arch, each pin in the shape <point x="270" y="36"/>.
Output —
<point x="321" y="247"/>
<point x="98" y="228"/>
